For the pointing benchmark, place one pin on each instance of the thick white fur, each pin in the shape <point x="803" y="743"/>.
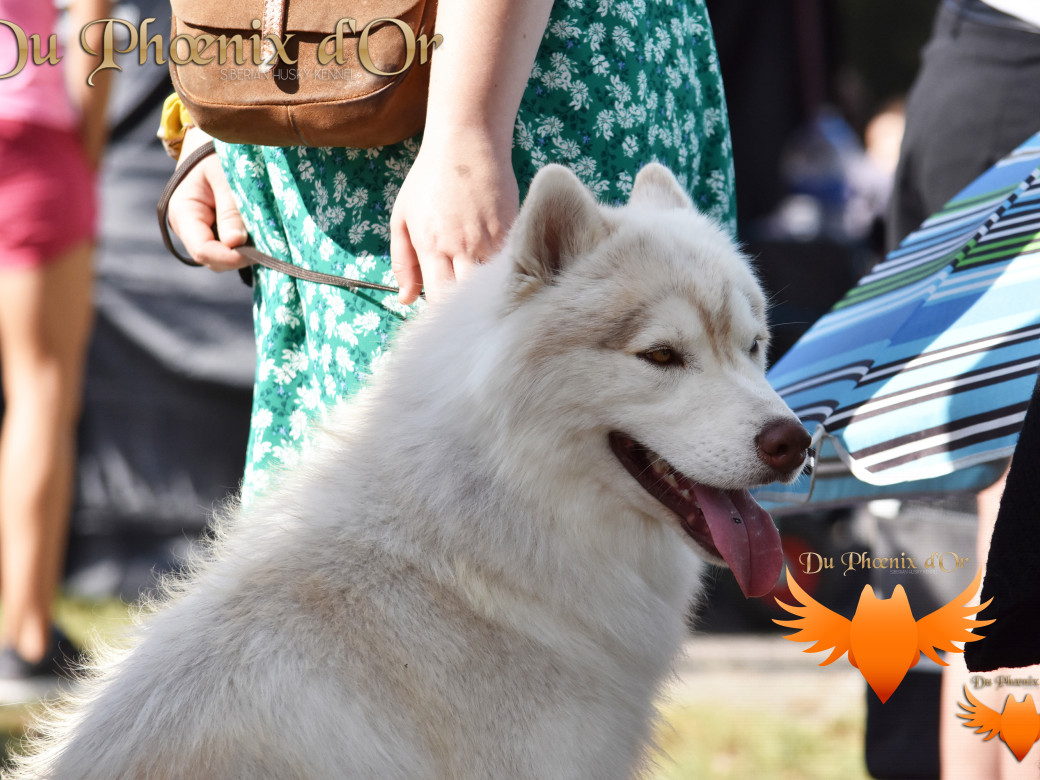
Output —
<point x="462" y="581"/>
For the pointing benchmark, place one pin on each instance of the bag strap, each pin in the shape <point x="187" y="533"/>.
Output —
<point x="254" y="255"/>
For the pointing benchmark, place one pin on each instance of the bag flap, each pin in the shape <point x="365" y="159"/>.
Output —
<point x="322" y="15"/>
<point x="304" y="16"/>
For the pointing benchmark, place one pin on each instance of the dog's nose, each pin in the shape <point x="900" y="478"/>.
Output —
<point x="783" y="445"/>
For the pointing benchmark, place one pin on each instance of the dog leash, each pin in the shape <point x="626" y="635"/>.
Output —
<point x="252" y="253"/>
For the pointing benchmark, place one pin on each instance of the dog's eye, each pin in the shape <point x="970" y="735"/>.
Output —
<point x="756" y="347"/>
<point x="662" y="356"/>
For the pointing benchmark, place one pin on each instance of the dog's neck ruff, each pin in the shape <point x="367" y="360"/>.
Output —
<point x="727" y="524"/>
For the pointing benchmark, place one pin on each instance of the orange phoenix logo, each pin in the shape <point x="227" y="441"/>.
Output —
<point x="883" y="640"/>
<point x="1018" y="724"/>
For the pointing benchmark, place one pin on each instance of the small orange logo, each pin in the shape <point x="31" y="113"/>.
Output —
<point x="1018" y="724"/>
<point x="883" y="640"/>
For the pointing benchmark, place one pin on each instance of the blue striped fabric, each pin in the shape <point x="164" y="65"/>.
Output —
<point x="917" y="381"/>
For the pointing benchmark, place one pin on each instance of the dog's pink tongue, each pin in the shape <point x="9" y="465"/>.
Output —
<point x="745" y="536"/>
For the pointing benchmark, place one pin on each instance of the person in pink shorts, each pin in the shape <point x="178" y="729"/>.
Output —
<point x="51" y="138"/>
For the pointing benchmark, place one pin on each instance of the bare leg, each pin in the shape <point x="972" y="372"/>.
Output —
<point x="45" y="320"/>
<point x="964" y="754"/>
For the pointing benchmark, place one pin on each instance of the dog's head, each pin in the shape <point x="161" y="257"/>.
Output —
<point x="639" y="349"/>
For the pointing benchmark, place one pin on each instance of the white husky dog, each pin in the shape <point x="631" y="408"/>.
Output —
<point x="483" y="568"/>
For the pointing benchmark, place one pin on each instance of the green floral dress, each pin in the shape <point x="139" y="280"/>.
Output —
<point x="616" y="84"/>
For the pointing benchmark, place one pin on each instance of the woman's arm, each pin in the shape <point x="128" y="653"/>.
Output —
<point x="89" y="101"/>
<point x="461" y="196"/>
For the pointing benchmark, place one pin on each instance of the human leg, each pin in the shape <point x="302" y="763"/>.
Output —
<point x="973" y="101"/>
<point x="45" y="318"/>
<point x="964" y="753"/>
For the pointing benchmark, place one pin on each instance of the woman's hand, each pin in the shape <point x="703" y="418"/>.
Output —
<point x="461" y="196"/>
<point x="202" y="202"/>
<point x="453" y="211"/>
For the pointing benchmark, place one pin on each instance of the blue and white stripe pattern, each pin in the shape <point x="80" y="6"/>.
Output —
<point x="919" y="378"/>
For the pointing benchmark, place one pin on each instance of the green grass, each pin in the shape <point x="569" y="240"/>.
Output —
<point x="711" y="742"/>
<point x="701" y="740"/>
<point x="86" y="623"/>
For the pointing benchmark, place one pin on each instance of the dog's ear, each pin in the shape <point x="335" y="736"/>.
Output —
<point x="657" y="186"/>
<point x="560" y="220"/>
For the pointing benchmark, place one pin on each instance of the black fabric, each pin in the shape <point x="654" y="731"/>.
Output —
<point x="757" y="52"/>
<point x="1013" y="567"/>
<point x="902" y="736"/>
<point x="170" y="369"/>
<point x="975" y="99"/>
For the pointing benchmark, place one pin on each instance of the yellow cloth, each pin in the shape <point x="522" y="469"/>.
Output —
<point x="175" y="121"/>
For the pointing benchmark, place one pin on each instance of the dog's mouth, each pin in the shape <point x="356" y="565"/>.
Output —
<point x="728" y="525"/>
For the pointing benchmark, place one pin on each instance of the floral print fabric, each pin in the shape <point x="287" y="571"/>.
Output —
<point x="616" y="84"/>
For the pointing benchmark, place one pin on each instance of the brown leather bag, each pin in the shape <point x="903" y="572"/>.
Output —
<point x="291" y="97"/>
